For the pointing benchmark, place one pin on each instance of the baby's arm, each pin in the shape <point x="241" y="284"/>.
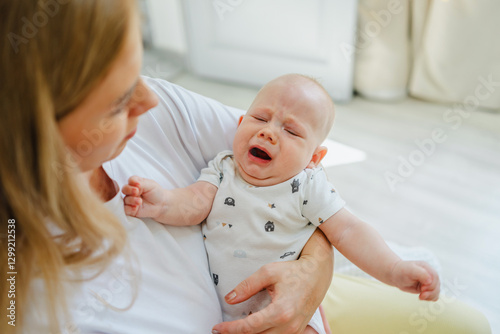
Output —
<point x="364" y="247"/>
<point x="181" y="206"/>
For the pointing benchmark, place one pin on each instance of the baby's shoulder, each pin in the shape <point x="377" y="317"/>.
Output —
<point x="314" y="174"/>
<point x="224" y="157"/>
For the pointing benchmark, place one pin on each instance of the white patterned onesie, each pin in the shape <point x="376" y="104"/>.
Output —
<point x="250" y="226"/>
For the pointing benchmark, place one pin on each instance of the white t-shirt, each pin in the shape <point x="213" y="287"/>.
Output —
<point x="175" y="293"/>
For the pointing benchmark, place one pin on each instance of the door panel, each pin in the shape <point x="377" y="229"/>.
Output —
<point x="254" y="41"/>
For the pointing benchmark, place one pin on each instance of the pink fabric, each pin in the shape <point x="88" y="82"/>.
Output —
<point x="325" y="321"/>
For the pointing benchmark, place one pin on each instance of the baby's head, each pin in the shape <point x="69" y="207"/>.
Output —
<point x="282" y="132"/>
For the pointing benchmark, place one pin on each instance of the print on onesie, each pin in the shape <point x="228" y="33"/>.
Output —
<point x="229" y="201"/>
<point x="286" y="254"/>
<point x="295" y="186"/>
<point x="216" y="279"/>
<point x="269" y="227"/>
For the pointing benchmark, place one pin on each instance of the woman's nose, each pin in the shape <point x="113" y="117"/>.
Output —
<point x="268" y="134"/>
<point x="143" y="100"/>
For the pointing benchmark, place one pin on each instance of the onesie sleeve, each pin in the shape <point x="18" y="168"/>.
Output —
<point x="321" y="200"/>
<point x="214" y="173"/>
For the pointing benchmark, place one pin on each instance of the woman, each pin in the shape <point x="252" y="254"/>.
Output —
<point x="72" y="102"/>
<point x="71" y="97"/>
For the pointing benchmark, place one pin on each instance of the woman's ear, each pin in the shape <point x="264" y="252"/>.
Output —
<point x="241" y="119"/>
<point x="318" y="155"/>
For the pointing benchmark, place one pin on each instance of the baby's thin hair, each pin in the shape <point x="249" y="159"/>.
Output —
<point x="314" y="80"/>
<point x="310" y="77"/>
<point x="318" y="83"/>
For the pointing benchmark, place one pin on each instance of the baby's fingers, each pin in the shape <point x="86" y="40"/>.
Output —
<point x="135" y="180"/>
<point x="129" y="190"/>
<point x="141" y="184"/>
<point x="132" y="201"/>
<point x="429" y="289"/>
<point x="132" y="205"/>
<point x="131" y="210"/>
<point x="430" y="293"/>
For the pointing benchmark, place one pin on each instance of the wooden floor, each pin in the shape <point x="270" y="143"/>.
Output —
<point x="431" y="178"/>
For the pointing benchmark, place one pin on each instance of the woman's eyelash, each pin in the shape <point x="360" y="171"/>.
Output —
<point x="121" y="107"/>
<point x="119" y="110"/>
<point x="116" y="112"/>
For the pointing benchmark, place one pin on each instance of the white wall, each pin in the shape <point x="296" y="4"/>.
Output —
<point x="167" y="25"/>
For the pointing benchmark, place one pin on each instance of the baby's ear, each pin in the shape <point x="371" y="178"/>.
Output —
<point x="240" y="120"/>
<point x="318" y="155"/>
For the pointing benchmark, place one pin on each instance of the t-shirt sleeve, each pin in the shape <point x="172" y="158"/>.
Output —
<point x="214" y="173"/>
<point x="204" y="126"/>
<point x="321" y="200"/>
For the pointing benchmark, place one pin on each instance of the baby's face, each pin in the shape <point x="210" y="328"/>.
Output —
<point x="281" y="131"/>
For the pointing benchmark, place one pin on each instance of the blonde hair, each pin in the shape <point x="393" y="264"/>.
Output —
<point x="53" y="53"/>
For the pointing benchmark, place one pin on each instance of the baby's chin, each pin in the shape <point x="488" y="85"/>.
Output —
<point x="263" y="180"/>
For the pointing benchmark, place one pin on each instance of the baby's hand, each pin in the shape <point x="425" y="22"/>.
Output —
<point x="417" y="277"/>
<point x="143" y="197"/>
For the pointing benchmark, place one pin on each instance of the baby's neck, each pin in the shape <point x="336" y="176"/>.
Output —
<point x="259" y="182"/>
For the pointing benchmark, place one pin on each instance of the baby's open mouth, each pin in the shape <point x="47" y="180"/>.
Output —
<point x="258" y="153"/>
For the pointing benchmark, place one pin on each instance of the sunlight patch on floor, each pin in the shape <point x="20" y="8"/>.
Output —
<point x="340" y="154"/>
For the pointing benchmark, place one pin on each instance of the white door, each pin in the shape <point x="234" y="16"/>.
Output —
<point x="254" y="41"/>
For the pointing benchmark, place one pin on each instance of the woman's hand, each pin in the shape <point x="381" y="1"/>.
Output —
<point x="296" y="289"/>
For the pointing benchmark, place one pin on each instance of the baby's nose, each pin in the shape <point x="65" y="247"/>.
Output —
<point x="268" y="134"/>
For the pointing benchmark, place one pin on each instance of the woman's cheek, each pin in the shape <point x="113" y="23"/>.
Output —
<point x="114" y="135"/>
<point x="119" y="127"/>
